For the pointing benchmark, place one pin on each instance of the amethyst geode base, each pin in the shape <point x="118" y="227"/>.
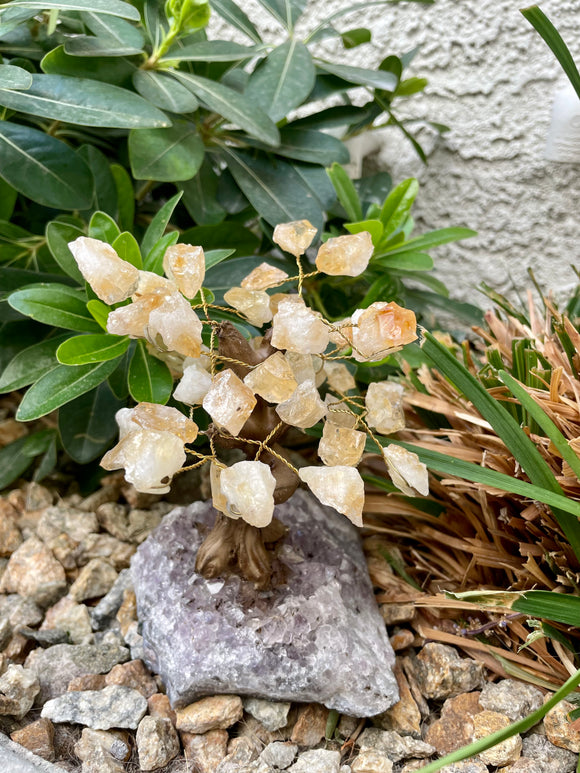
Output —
<point x="318" y="637"/>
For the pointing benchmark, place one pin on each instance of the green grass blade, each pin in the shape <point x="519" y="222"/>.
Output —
<point x="559" y="607"/>
<point x="508" y="732"/>
<point x="543" y="420"/>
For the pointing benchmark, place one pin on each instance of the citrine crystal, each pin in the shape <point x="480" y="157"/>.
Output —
<point x="294" y="237"/>
<point x="341" y="445"/>
<point x="339" y="413"/>
<point x="218" y="498"/>
<point x="264" y="276"/>
<point x="272" y="379"/>
<point x="112" y="278"/>
<point x="163" y="418"/>
<point x="304" y="408"/>
<point x="194" y="384"/>
<point x="248" y="488"/>
<point x="407" y="472"/>
<point x="340" y="487"/>
<point x="253" y="304"/>
<point x="345" y="255"/>
<point x="384" y="404"/>
<point x="380" y="328"/>
<point x="229" y="401"/>
<point x="185" y="265"/>
<point x="299" y="329"/>
<point x="339" y="376"/>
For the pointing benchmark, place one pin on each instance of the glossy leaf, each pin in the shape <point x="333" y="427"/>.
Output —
<point x="167" y="155"/>
<point x="232" y="106"/>
<point x="125" y="196"/>
<point x="54" y="304"/>
<point x="82" y="350"/>
<point x="14" y="77"/>
<point x="107" y="7"/>
<point x="30" y="364"/>
<point x="317" y="182"/>
<point x="374" y="227"/>
<point x="111" y="70"/>
<point x="398" y="205"/>
<point x="212" y="51"/>
<point x="85" y="102"/>
<point x="234" y="15"/>
<point x="409" y="261"/>
<point x="331" y="117"/>
<point x="283" y="81"/>
<point x="558" y="607"/>
<point x="275" y="190"/>
<point x="88" y="45"/>
<point x="103" y="227"/>
<point x="87" y="424"/>
<point x="99" y="311"/>
<point x="356" y="37"/>
<point x="47" y="463"/>
<point x="432" y="239"/>
<point x="360" y="76"/>
<point x="126" y="247"/>
<point x="213" y="257"/>
<point x="154" y="258"/>
<point x="114" y="30"/>
<point x="105" y="189"/>
<point x="287" y="12"/>
<point x="346" y="192"/>
<point x="164" y="92"/>
<point x="43" y="168"/>
<point x="312" y="146"/>
<point x="200" y="196"/>
<point x="554" y="40"/>
<point x="157" y="226"/>
<point x="58" y="236"/>
<point x="8" y="196"/>
<point x="149" y="378"/>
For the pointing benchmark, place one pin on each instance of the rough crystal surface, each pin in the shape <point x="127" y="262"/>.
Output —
<point x="304" y="408"/>
<point x="339" y="413"/>
<point x="253" y="304"/>
<point x="229" y="401"/>
<point x="272" y="379"/>
<point x="185" y="265"/>
<point x="194" y="384"/>
<point x="112" y="278"/>
<point x="384" y="404"/>
<point x="113" y="706"/>
<point x="345" y="255"/>
<point x="407" y="473"/>
<point x="150" y="459"/>
<point x="294" y="237"/>
<point x="315" y="636"/>
<point x="298" y="328"/>
<point x="339" y="376"/>
<point x="163" y="418"/>
<point x="341" y="445"/>
<point x="264" y="276"/>
<point x="339" y="487"/>
<point x="249" y="491"/>
<point x="380" y="328"/>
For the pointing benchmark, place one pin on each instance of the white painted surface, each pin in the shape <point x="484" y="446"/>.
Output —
<point x="492" y="80"/>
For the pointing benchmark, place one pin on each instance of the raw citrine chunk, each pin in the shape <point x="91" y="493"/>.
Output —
<point x="112" y="278"/>
<point x="163" y="418"/>
<point x="302" y="366"/>
<point x="341" y="333"/>
<point x="248" y="488"/>
<point x="384" y="404"/>
<point x="272" y="379"/>
<point x="178" y="326"/>
<point x="339" y="376"/>
<point x="304" y="408"/>
<point x="276" y="298"/>
<point x="253" y="304"/>
<point x="194" y="384"/>
<point x="294" y="237"/>
<point x="150" y="459"/>
<point x="345" y="255"/>
<point x="229" y="401"/>
<point x="341" y="445"/>
<point x="151" y="284"/>
<point x="299" y="329"/>
<point x="381" y="328"/>
<point x="185" y="265"/>
<point x="264" y="276"/>
<point x="339" y="413"/>
<point x="218" y="498"/>
<point x="340" y="487"/>
<point x="407" y="472"/>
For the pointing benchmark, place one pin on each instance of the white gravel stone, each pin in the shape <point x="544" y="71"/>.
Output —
<point x="272" y="714"/>
<point x="317" y="761"/>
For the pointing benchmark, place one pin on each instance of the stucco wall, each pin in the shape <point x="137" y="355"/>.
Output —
<point x="492" y="80"/>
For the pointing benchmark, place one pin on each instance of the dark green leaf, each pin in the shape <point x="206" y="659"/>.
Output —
<point x="103" y="227"/>
<point x="85" y="349"/>
<point x="105" y="190"/>
<point x="167" y="155"/>
<point x="409" y="261"/>
<point x="14" y="77"/>
<point x="312" y="146"/>
<point x="559" y="607"/>
<point x="287" y="12"/>
<point x="283" y="81"/>
<point x="107" y="7"/>
<point x="89" y="46"/>
<point x="149" y="379"/>
<point x="30" y="364"/>
<point x="331" y="117"/>
<point x="114" y="30"/>
<point x="125" y="197"/>
<point x="54" y="304"/>
<point x="213" y="257"/>
<point x="200" y="196"/>
<point x="356" y="37"/>
<point x="232" y="106"/>
<point x="118" y="378"/>
<point x="47" y="462"/>
<point x="154" y="258"/>
<point x="115" y="71"/>
<point x="87" y="425"/>
<point x="346" y="192"/>
<point x="85" y="102"/>
<point x="234" y="15"/>
<point x="397" y="206"/>
<point x="157" y="226"/>
<point x="223" y="236"/>
<point x="44" y="169"/>
<point x="274" y="189"/>
<point x="212" y="51"/>
<point x="61" y="385"/>
<point x="8" y="196"/>
<point x="16" y="457"/>
<point x="58" y="236"/>
<point x="126" y="247"/>
<point x="375" y="188"/>
<point x="375" y="79"/>
<point x="164" y="91"/>
<point x="317" y="182"/>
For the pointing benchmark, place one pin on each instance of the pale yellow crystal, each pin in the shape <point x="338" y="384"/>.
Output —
<point x="384" y="404"/>
<point x="304" y="408"/>
<point x="194" y="384"/>
<point x="275" y="299"/>
<point x="339" y="413"/>
<point x="248" y="488"/>
<point x="185" y="265"/>
<point x="340" y="487"/>
<point x="339" y="376"/>
<point x="112" y="278"/>
<point x="150" y="459"/>
<point x="152" y="284"/>
<point x="301" y="365"/>
<point x="229" y="401"/>
<point x="163" y="418"/>
<point x="219" y="500"/>
<point x="341" y="333"/>
<point x="298" y="329"/>
<point x="341" y="445"/>
<point x="345" y="255"/>
<point x="294" y="237"/>
<point x="407" y="472"/>
<point x="253" y="304"/>
<point x="264" y="276"/>
<point x="380" y="328"/>
<point x="272" y="379"/>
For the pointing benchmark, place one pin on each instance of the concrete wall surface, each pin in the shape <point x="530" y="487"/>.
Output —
<point x="492" y="80"/>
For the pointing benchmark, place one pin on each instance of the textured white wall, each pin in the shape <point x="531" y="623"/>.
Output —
<point x="492" y="80"/>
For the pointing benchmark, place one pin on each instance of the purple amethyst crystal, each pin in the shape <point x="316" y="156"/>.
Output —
<point x="316" y="636"/>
